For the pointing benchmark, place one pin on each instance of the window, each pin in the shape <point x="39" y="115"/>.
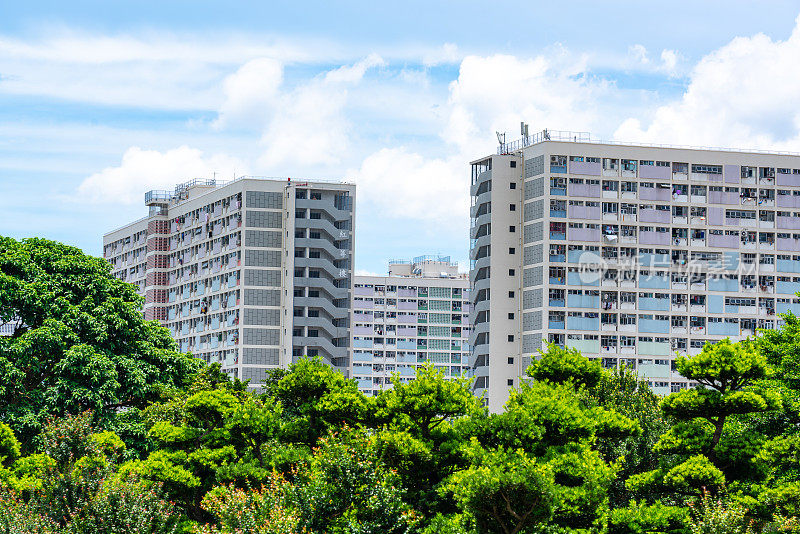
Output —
<point x="510" y="315"/>
<point x="510" y="381"/>
<point x="708" y="169"/>
<point x="510" y="338"/>
<point x="511" y="294"/>
<point x="512" y="207"/>
<point x="512" y="250"/>
<point x="512" y="185"/>
<point x="511" y="272"/>
<point x="511" y="361"/>
<point x="513" y="164"/>
<point x="512" y="228"/>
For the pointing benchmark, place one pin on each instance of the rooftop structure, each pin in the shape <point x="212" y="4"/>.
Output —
<point x="430" y="266"/>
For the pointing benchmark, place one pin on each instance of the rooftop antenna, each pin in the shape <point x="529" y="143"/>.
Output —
<point x="501" y="138"/>
<point x="523" y="129"/>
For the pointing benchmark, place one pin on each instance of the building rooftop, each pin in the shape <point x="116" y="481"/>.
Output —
<point x="181" y="191"/>
<point x="585" y="137"/>
<point x="426" y="266"/>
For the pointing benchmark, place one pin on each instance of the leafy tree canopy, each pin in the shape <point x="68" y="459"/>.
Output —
<point x="79" y="341"/>
<point x="560" y="364"/>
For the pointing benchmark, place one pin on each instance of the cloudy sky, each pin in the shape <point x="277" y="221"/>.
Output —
<point x="99" y="104"/>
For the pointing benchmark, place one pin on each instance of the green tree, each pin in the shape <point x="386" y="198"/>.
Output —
<point x="560" y="364"/>
<point x="219" y="437"/>
<point x="621" y="390"/>
<point x="345" y="488"/>
<point x="418" y="433"/>
<point x="342" y="488"/>
<point x="79" y="341"/>
<point x="779" y="458"/>
<point x="425" y="405"/>
<point x="70" y="485"/>
<point x="315" y="399"/>
<point x="505" y="492"/>
<point x="557" y="433"/>
<point x="639" y="518"/>
<point x="270" y="509"/>
<point x="696" y="452"/>
<point x="724" y="371"/>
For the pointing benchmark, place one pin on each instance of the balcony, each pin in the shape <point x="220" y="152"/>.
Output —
<point x="787" y="287"/>
<point x="583" y="301"/>
<point x="589" y="346"/>
<point x="723" y="328"/>
<point x="655" y="326"/>
<point x="653" y="304"/>
<point x="652" y="348"/>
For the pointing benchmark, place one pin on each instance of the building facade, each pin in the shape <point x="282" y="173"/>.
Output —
<point x="632" y="254"/>
<point x="417" y="314"/>
<point x="252" y="273"/>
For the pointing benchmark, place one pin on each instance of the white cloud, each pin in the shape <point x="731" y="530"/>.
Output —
<point x="670" y="60"/>
<point x="251" y="94"/>
<point x="404" y="184"/>
<point x="144" y="170"/>
<point x="447" y="53"/>
<point x="491" y="93"/>
<point x="148" y="70"/>
<point x="495" y="93"/>
<point x="639" y="59"/>
<point x="354" y="73"/>
<point x="638" y="53"/>
<point x="309" y="126"/>
<point x="743" y="94"/>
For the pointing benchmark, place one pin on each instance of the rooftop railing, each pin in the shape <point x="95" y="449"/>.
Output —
<point x="585" y="137"/>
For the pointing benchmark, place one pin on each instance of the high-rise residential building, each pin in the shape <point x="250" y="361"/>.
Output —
<point x="252" y="273"/>
<point x="417" y="314"/>
<point x="630" y="253"/>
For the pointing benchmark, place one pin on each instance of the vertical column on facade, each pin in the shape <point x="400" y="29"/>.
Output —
<point x="157" y="277"/>
<point x="322" y="273"/>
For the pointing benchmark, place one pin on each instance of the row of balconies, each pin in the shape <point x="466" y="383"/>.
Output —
<point x="667" y="192"/>
<point x="457" y="293"/>
<point x="714" y="329"/>
<point x="202" y="251"/>
<point x="767" y="219"/>
<point x="594" y="235"/>
<point x="653" y="350"/>
<point x="190" y="276"/>
<point x="615" y="167"/>
<point x="216" y="284"/>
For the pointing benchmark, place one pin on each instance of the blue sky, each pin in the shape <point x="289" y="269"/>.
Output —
<point x="101" y="101"/>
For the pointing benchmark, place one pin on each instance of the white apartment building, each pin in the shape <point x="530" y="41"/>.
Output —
<point x="630" y="253"/>
<point x="419" y="313"/>
<point x="252" y="273"/>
